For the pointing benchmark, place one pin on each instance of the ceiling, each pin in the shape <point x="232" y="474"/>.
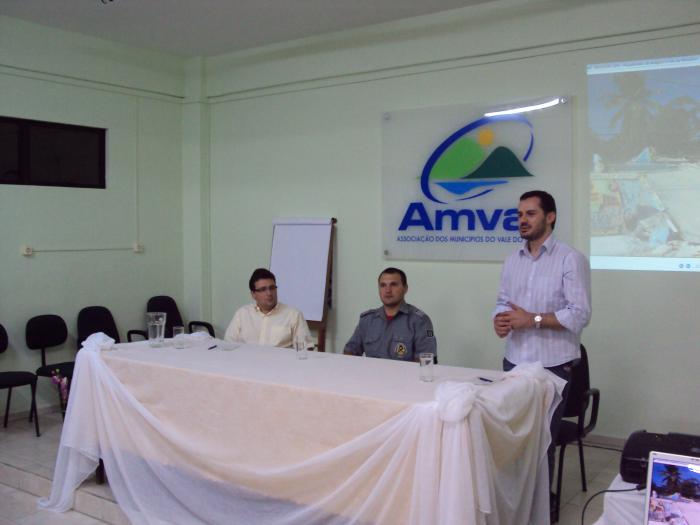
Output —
<point x="210" y="27"/>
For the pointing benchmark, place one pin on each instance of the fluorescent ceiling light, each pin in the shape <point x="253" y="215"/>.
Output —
<point x="524" y="109"/>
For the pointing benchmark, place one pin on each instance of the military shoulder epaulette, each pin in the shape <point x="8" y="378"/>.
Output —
<point x="419" y="312"/>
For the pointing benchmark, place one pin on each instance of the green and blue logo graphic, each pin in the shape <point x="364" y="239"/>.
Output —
<point x="469" y="164"/>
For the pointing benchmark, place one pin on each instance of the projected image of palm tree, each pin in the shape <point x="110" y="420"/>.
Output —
<point x="634" y="113"/>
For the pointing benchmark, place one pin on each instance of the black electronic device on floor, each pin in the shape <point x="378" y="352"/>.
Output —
<point x="635" y="454"/>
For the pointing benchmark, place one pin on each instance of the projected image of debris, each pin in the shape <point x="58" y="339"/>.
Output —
<point x="644" y="120"/>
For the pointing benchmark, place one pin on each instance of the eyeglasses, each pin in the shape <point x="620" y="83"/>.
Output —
<point x="264" y="289"/>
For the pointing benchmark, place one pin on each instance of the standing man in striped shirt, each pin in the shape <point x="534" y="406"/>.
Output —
<point x="544" y="301"/>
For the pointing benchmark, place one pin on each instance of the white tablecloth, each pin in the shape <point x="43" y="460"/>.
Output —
<point x="254" y="435"/>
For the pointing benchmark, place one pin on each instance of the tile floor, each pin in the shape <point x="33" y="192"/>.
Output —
<point x="602" y="465"/>
<point x="26" y="469"/>
<point x="27" y="462"/>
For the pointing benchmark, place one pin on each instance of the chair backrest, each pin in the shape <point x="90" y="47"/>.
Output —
<point x="165" y="303"/>
<point x="44" y="331"/>
<point x="580" y="383"/>
<point x="3" y="339"/>
<point x="93" y="319"/>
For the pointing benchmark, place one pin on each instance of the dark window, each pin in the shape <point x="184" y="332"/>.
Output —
<point x="49" y="154"/>
<point x="9" y="152"/>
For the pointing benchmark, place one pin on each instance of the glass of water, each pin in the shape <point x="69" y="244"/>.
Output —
<point x="179" y="336"/>
<point x="426" y="366"/>
<point x="300" y="347"/>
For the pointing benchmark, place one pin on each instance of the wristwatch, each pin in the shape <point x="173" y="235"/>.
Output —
<point x="538" y="320"/>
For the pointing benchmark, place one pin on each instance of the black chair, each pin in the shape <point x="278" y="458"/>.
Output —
<point x="165" y="303"/>
<point x="92" y="319"/>
<point x="581" y="397"/>
<point x="45" y="331"/>
<point x="11" y="380"/>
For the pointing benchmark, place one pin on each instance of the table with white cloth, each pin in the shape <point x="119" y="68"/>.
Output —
<point x="252" y="435"/>
<point x="623" y="508"/>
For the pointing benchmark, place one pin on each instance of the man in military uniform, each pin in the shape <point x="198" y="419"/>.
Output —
<point x="396" y="330"/>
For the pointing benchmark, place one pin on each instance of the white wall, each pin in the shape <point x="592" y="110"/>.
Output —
<point x="216" y="148"/>
<point x="56" y="76"/>
<point x="296" y="131"/>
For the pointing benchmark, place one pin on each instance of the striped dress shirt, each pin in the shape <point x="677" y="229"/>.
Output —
<point x="557" y="280"/>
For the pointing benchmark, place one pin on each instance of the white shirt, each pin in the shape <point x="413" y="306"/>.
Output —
<point x="278" y="327"/>
<point x="557" y="280"/>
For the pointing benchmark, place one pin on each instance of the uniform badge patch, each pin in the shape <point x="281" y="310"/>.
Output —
<point x="400" y="350"/>
<point x="429" y="333"/>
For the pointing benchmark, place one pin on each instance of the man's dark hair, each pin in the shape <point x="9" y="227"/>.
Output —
<point x="260" y="273"/>
<point x="404" y="281"/>
<point x="546" y="201"/>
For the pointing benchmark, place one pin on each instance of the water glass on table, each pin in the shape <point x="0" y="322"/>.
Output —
<point x="300" y="347"/>
<point x="179" y="337"/>
<point x="426" y="360"/>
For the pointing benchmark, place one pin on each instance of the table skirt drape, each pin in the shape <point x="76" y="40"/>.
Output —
<point x="476" y="454"/>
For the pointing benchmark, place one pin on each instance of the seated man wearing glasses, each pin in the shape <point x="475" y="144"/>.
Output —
<point x="266" y="322"/>
<point x="395" y="330"/>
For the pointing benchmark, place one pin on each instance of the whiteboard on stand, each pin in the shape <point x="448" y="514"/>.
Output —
<point x="299" y="260"/>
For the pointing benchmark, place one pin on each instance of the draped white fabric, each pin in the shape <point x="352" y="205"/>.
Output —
<point x="251" y="449"/>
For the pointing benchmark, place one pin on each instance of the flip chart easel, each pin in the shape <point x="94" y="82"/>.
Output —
<point x="302" y="261"/>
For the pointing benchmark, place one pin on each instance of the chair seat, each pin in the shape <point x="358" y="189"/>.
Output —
<point x="13" y="379"/>
<point x="65" y="369"/>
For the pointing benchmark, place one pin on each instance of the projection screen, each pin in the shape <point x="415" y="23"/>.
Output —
<point x="644" y="134"/>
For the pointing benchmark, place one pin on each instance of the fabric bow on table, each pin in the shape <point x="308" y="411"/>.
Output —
<point x="455" y="400"/>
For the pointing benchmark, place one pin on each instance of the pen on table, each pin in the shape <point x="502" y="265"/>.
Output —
<point x="211" y="347"/>
<point x="486" y="379"/>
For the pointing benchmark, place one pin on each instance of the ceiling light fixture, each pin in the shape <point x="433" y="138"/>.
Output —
<point x="525" y="109"/>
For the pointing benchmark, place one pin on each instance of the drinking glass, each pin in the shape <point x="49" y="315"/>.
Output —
<point x="426" y="366"/>
<point x="156" y="328"/>
<point x="179" y="336"/>
<point x="300" y="347"/>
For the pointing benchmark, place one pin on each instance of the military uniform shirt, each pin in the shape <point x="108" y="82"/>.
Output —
<point x="403" y="337"/>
